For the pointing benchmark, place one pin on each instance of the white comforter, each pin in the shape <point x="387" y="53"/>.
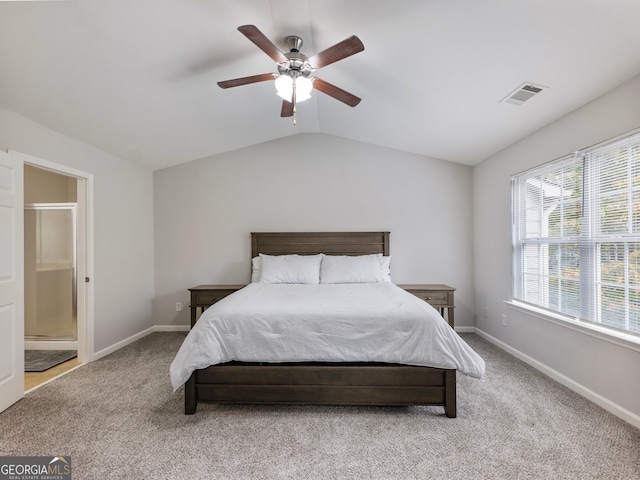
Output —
<point x="371" y="322"/>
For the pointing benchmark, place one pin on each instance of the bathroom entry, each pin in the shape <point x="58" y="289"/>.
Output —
<point x="50" y="266"/>
<point x="50" y="255"/>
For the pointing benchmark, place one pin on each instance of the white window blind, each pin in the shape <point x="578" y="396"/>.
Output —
<point x="576" y="235"/>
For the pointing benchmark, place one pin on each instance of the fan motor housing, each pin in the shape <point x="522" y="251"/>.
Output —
<point x="296" y="66"/>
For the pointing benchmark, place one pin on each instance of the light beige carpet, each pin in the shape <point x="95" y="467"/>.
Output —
<point x="118" y="418"/>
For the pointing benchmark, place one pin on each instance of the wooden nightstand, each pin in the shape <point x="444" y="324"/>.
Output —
<point x="438" y="296"/>
<point x="203" y="296"/>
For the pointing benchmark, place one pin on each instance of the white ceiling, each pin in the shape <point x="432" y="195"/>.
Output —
<point x="137" y="78"/>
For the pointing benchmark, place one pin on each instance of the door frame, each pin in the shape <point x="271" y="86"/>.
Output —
<point x="85" y="290"/>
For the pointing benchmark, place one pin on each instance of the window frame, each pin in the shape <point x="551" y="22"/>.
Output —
<point x="587" y="237"/>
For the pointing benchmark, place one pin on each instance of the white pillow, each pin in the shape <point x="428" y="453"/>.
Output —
<point x="290" y="268"/>
<point x="256" y="265"/>
<point x="385" y="265"/>
<point x="351" y="269"/>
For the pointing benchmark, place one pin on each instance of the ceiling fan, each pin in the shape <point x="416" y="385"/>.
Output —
<point x="294" y="81"/>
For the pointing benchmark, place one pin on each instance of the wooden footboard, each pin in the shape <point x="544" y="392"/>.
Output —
<point x="322" y="384"/>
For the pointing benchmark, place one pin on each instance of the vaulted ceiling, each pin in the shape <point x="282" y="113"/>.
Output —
<point x="137" y="78"/>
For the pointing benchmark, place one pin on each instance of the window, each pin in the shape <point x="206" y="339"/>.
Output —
<point x="576" y="235"/>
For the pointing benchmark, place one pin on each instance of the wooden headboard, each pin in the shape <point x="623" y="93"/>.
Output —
<point x="311" y="243"/>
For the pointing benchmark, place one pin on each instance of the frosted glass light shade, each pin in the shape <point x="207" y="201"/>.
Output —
<point x="284" y="88"/>
<point x="303" y="89"/>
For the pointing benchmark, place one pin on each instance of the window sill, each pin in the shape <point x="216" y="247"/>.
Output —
<point x="622" y="339"/>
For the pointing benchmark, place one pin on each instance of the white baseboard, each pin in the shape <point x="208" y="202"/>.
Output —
<point x="596" y="398"/>
<point x="465" y="329"/>
<point x="123" y="343"/>
<point x="171" y="328"/>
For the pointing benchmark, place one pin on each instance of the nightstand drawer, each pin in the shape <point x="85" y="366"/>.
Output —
<point x="208" y="298"/>
<point x="433" y="298"/>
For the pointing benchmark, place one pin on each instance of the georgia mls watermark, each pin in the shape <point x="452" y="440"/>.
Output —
<point x="35" y="468"/>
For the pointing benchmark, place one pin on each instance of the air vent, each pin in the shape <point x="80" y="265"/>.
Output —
<point x="523" y="93"/>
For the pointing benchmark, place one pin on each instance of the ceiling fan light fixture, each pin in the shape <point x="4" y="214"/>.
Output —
<point x="293" y="81"/>
<point x="284" y="87"/>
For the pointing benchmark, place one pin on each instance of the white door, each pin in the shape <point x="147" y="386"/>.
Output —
<point x="11" y="281"/>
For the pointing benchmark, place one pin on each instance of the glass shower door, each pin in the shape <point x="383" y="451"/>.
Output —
<point x="50" y="266"/>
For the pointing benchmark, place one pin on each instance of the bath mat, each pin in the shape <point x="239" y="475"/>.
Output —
<point x="41" y="360"/>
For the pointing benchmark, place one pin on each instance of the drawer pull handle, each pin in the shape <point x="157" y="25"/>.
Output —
<point x="428" y="298"/>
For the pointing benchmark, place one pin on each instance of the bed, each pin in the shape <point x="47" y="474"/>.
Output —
<point x="333" y="382"/>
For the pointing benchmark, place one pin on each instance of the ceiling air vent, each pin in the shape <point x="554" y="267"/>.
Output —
<point x="523" y="93"/>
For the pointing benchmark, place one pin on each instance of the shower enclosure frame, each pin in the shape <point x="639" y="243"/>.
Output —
<point x="65" y="342"/>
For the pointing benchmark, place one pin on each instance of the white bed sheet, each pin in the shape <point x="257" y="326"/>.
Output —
<point x="371" y="322"/>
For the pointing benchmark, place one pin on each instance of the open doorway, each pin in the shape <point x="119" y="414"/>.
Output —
<point x="58" y="320"/>
<point x="58" y="204"/>
<point x="50" y="262"/>
<point x="50" y="274"/>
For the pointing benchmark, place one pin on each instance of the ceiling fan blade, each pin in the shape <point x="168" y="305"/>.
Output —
<point x="262" y="42"/>
<point x="346" y="48"/>
<point x="287" y="109"/>
<point x="236" y="82"/>
<point x="335" y="92"/>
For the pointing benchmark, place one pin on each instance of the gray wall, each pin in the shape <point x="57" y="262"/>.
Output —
<point x="206" y="209"/>
<point x="123" y="225"/>
<point x="605" y="372"/>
